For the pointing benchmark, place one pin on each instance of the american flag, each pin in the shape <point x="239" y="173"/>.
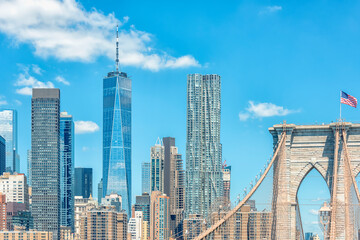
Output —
<point x="348" y="99"/>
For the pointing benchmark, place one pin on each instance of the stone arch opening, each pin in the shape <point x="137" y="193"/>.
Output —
<point x="312" y="192"/>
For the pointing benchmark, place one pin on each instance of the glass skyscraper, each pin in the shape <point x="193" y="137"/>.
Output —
<point x="84" y="182"/>
<point x="67" y="170"/>
<point x="204" y="184"/>
<point x="157" y="167"/>
<point x="45" y="159"/>
<point x="2" y="154"/>
<point x="117" y="137"/>
<point x="145" y="177"/>
<point x="29" y="167"/>
<point x="8" y="130"/>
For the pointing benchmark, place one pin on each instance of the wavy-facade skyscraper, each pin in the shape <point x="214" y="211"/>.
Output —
<point x="204" y="184"/>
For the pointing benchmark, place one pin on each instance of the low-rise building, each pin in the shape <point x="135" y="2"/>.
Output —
<point x="3" y="215"/>
<point x="23" y="219"/>
<point x="65" y="233"/>
<point x="82" y="205"/>
<point x="247" y="223"/>
<point x="104" y="223"/>
<point x="135" y="226"/>
<point x="193" y="226"/>
<point x="15" y="187"/>
<point x="25" y="235"/>
<point x="112" y="200"/>
<point x="12" y="210"/>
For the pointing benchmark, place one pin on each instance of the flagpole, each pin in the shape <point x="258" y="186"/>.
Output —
<point x="340" y="105"/>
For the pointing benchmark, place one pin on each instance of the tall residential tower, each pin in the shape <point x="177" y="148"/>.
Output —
<point x="117" y="135"/>
<point x="157" y="167"/>
<point x="67" y="170"/>
<point x="204" y="184"/>
<point x="45" y="159"/>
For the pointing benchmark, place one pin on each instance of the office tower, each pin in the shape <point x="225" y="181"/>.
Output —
<point x="145" y="177"/>
<point x="15" y="187"/>
<point x="135" y="227"/>
<point x="204" y="183"/>
<point x="8" y="129"/>
<point x="176" y="184"/>
<point x="113" y="199"/>
<point x="117" y="135"/>
<point x="82" y="205"/>
<point x="157" y="167"/>
<point x="45" y="159"/>
<point x="2" y="155"/>
<point x="67" y="163"/>
<point x="3" y="222"/>
<point x="104" y="223"/>
<point x="160" y="216"/>
<point x="100" y="190"/>
<point x="193" y="226"/>
<point x="23" y="219"/>
<point x="168" y="142"/>
<point x="226" y="183"/>
<point x="29" y="167"/>
<point x="143" y="204"/>
<point x="83" y="180"/>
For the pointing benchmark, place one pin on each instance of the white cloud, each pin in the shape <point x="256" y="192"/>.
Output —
<point x="82" y="127"/>
<point x="62" y="80"/>
<point x="36" y="69"/>
<point x="244" y="116"/>
<point x="3" y="100"/>
<point x="270" y="9"/>
<point x="68" y="32"/>
<point x="314" y="212"/>
<point x="261" y="110"/>
<point x="27" y="83"/>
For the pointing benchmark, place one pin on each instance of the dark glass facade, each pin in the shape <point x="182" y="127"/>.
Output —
<point x="117" y="137"/>
<point x="67" y="170"/>
<point x="83" y="182"/>
<point x="24" y="219"/>
<point x="2" y="155"/>
<point x="143" y="204"/>
<point x="45" y="159"/>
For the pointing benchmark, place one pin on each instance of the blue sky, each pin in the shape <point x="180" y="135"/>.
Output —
<point x="279" y="60"/>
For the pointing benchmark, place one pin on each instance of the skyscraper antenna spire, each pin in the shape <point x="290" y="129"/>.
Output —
<point x="117" y="48"/>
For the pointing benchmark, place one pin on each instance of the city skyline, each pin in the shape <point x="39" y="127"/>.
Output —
<point x="268" y="53"/>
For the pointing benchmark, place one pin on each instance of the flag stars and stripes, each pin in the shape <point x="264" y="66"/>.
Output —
<point x="348" y="99"/>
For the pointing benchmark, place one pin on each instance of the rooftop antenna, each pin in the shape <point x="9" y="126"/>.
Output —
<point x="117" y="48"/>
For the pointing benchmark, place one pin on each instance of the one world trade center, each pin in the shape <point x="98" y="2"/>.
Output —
<point x="117" y="135"/>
